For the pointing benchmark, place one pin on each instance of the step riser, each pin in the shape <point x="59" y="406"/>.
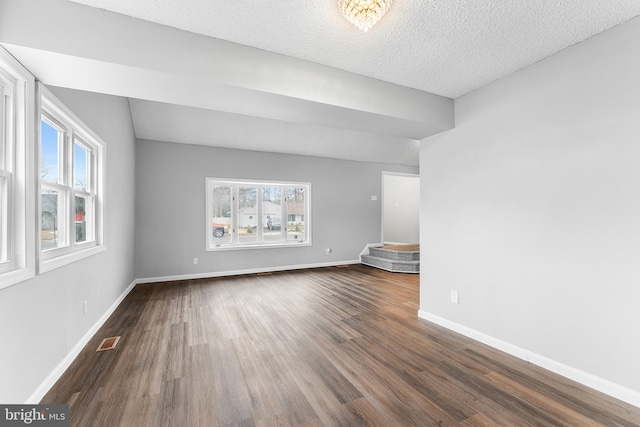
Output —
<point x="391" y="265"/>
<point x="394" y="255"/>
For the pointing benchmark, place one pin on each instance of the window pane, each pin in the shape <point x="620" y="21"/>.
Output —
<point x="84" y="229"/>
<point x="250" y="214"/>
<point x="80" y="163"/>
<point x="71" y="205"/>
<point x="295" y="214"/>
<point x="272" y="214"/>
<point x="221" y="214"/>
<point x="49" y="149"/>
<point x="247" y="214"/>
<point x="52" y="221"/>
<point x="4" y="220"/>
<point x="3" y="217"/>
<point x="5" y="107"/>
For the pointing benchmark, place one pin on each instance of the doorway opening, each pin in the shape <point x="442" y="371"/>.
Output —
<point x="400" y="209"/>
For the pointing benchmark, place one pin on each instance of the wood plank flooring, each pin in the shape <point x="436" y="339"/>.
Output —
<point x="322" y="347"/>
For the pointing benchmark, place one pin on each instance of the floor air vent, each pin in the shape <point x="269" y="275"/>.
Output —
<point x="108" y="343"/>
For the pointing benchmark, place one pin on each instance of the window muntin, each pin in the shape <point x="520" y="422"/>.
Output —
<point x="71" y="157"/>
<point x="256" y="214"/>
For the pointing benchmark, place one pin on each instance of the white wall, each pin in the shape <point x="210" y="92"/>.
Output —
<point x="170" y="224"/>
<point x="401" y="211"/>
<point x="41" y="319"/>
<point x="531" y="210"/>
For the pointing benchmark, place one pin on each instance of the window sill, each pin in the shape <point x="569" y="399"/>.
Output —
<point x="14" y="277"/>
<point x="62" y="260"/>
<point x="230" y="247"/>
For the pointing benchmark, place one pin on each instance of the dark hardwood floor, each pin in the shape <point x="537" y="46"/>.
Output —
<point x="323" y="347"/>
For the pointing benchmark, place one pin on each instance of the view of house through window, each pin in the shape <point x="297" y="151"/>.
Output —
<point x="248" y="219"/>
<point x="272" y="213"/>
<point x="296" y="208"/>
<point x="245" y="214"/>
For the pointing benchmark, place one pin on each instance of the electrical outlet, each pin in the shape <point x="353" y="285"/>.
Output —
<point x="84" y="307"/>
<point x="454" y="297"/>
<point x="195" y="261"/>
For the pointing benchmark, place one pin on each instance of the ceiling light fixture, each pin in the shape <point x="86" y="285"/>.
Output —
<point x="364" y="13"/>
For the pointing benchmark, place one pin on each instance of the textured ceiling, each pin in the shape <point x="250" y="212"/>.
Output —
<point x="294" y="76"/>
<point x="446" y="47"/>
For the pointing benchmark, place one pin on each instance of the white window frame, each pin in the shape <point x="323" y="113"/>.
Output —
<point x="234" y="244"/>
<point x="17" y="207"/>
<point x="53" y="111"/>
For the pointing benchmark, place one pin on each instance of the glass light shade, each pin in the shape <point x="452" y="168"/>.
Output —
<point x="364" y="13"/>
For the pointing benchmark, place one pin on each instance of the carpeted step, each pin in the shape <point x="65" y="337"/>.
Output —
<point x="396" y="266"/>
<point x="395" y="255"/>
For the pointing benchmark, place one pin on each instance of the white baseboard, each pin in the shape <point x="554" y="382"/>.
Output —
<point x="64" y="364"/>
<point x="600" y="384"/>
<point x="365" y="251"/>
<point x="240" y="272"/>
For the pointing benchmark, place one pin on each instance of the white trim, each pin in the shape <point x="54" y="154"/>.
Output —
<point x="241" y="272"/>
<point x="234" y="243"/>
<point x="238" y="247"/>
<point x="68" y="258"/>
<point x="408" y="174"/>
<point x="16" y="276"/>
<point x="64" y="364"/>
<point x="366" y="251"/>
<point x="600" y="384"/>
<point x="21" y="233"/>
<point x="57" y="112"/>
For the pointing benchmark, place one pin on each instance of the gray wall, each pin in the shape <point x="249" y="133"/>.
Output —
<point x="170" y="210"/>
<point x="41" y="319"/>
<point x="530" y="208"/>
<point x="401" y="222"/>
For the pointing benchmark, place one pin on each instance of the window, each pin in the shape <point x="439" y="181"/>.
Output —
<point x="71" y="168"/>
<point x="245" y="214"/>
<point x="16" y="141"/>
